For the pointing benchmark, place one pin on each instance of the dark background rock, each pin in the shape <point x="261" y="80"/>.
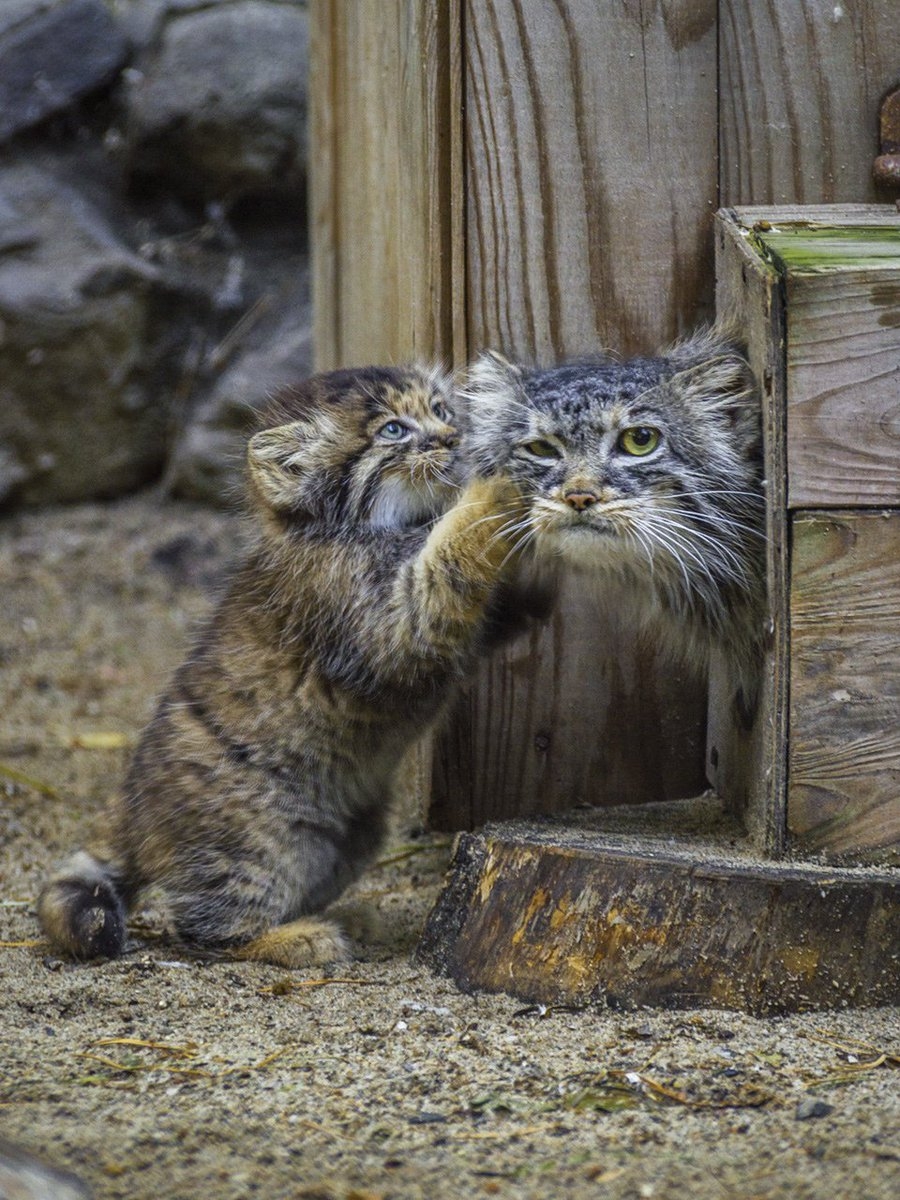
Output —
<point x="208" y="461"/>
<point x="140" y="330"/>
<point x="75" y="416"/>
<point x="52" y="52"/>
<point x="216" y="108"/>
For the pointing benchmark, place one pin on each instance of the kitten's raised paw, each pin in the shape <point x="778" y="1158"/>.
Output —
<point x="307" y="942"/>
<point x="493" y="491"/>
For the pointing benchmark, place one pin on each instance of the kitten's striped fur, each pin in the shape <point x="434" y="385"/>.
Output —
<point x="261" y="787"/>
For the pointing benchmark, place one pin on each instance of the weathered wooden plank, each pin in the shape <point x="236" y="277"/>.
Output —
<point x="587" y="227"/>
<point x="843" y="366"/>
<point x="588" y="217"/>
<point x="844" y="781"/>
<point x="567" y="720"/>
<point x="801" y="85"/>
<point x="386" y="180"/>
<point x="557" y="916"/>
<point x="814" y="216"/>
<point x="748" y="767"/>
<point x="386" y="201"/>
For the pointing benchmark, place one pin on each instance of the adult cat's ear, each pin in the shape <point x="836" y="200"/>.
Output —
<point x="490" y="394"/>
<point x="277" y="467"/>
<point x="491" y="373"/>
<point x="712" y="368"/>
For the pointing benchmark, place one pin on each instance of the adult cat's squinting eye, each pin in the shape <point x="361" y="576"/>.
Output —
<point x="394" y="431"/>
<point x="638" y="441"/>
<point x="539" y="448"/>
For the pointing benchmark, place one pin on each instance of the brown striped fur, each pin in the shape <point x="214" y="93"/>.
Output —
<point x="261" y="787"/>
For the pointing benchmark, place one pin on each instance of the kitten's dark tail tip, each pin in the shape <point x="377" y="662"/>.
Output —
<point x="81" y="910"/>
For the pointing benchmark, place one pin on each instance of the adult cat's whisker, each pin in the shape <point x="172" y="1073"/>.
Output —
<point x="722" y="526"/>
<point x="636" y="534"/>
<point x="695" y="528"/>
<point x="674" y="528"/>
<point x="529" y="536"/>
<point x="671" y="541"/>
<point x="498" y="512"/>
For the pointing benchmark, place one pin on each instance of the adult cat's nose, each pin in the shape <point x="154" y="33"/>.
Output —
<point x="580" y="500"/>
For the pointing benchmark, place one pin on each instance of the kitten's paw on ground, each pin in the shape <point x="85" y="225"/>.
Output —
<point x="307" y="942"/>
<point x="360" y="921"/>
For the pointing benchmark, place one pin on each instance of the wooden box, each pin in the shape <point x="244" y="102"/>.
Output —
<point x="816" y="291"/>
<point x="734" y="899"/>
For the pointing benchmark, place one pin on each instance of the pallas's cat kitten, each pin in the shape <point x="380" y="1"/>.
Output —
<point x="261" y="786"/>
<point x="647" y="473"/>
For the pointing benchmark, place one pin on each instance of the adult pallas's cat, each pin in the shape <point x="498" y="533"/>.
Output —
<point x="645" y="473"/>
<point x="261" y="787"/>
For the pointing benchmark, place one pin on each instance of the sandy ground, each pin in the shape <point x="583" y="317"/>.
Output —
<point x="158" y="1076"/>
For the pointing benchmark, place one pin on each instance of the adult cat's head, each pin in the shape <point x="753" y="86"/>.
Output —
<point x="376" y="446"/>
<point x="648" y="468"/>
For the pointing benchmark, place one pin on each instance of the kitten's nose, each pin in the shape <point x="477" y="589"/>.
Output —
<point x="447" y="440"/>
<point x="580" y="500"/>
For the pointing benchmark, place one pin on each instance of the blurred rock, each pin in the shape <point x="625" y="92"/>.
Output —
<point x="52" y="52"/>
<point x="208" y="460"/>
<point x="24" y="1176"/>
<point x="216" y="106"/>
<point x="76" y="419"/>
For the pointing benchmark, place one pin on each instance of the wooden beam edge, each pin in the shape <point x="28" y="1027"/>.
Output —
<point x="580" y="921"/>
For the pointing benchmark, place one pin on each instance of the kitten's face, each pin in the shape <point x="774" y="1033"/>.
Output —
<point x="375" y="447"/>
<point x="649" y="465"/>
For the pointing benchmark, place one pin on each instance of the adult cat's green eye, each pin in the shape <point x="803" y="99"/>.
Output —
<point x="540" y="448"/>
<point x="640" y="440"/>
<point x="393" y="431"/>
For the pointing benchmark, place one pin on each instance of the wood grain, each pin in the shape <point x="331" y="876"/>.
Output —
<point x="556" y="917"/>
<point x="591" y="173"/>
<point x="588" y="224"/>
<point x="748" y="767"/>
<point x="844" y="790"/>
<point x="843" y="365"/>
<point x="801" y="85"/>
<point x="575" y="713"/>
<point x="386" y="181"/>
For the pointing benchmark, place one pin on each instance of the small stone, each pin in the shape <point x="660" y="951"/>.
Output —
<point x="810" y="1108"/>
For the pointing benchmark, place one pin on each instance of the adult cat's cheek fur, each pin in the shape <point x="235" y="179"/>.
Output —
<point x="678" y="437"/>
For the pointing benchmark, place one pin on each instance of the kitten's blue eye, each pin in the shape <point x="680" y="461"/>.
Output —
<point x="441" y="412"/>
<point x="393" y="431"/>
<point x="540" y="448"/>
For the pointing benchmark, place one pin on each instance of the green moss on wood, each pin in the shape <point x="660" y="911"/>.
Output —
<point x="810" y="249"/>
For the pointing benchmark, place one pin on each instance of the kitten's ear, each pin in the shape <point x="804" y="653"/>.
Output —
<point x="276" y="466"/>
<point x="712" y="368"/>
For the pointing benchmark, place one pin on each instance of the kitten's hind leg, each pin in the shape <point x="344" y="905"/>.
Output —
<point x="306" y="942"/>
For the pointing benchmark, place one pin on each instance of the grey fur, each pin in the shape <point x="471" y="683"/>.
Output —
<point x="681" y="530"/>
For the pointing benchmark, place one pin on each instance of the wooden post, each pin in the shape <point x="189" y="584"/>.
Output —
<point x="689" y="904"/>
<point x="587" y="228"/>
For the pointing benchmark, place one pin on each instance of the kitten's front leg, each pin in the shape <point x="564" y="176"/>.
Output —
<point x="469" y="551"/>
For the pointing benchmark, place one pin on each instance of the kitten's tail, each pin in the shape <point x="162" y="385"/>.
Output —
<point x="82" y="909"/>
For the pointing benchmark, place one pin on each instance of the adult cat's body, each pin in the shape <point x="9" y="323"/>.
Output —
<point x="647" y="473"/>
<point x="261" y="787"/>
